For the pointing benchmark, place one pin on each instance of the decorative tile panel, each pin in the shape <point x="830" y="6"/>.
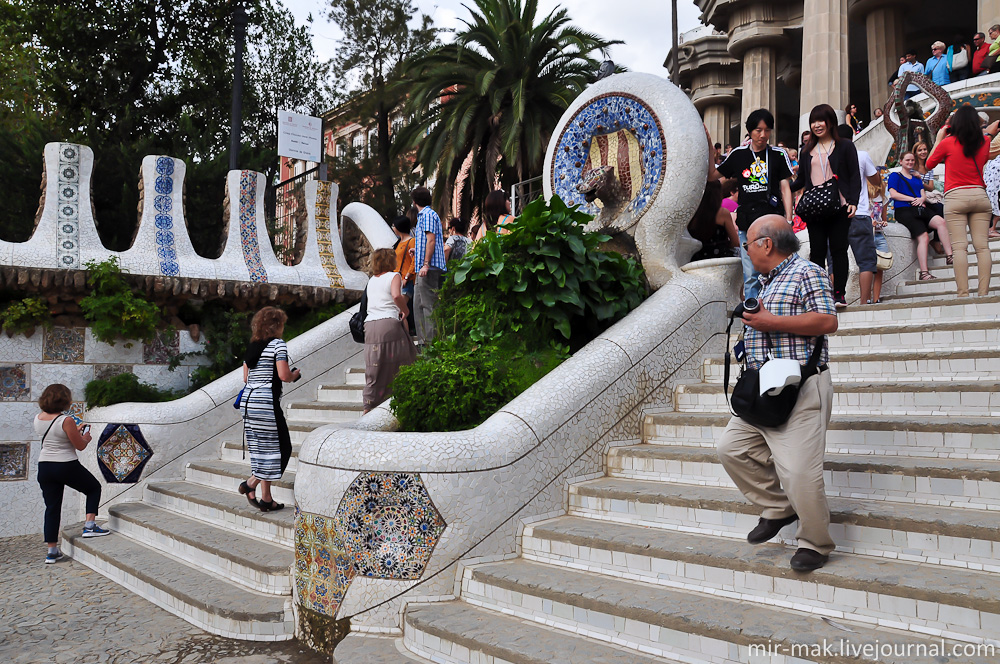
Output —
<point x="617" y="130"/>
<point x="388" y="525"/>
<point x="14" y="461"/>
<point x="14" y="382"/>
<point x="324" y="235"/>
<point x="68" y="183"/>
<point x="63" y="344"/>
<point x="108" y="371"/>
<point x="122" y="453"/>
<point x="166" y="251"/>
<point x="248" y="226"/>
<point x="323" y="570"/>
<point x="77" y="410"/>
<point x="163" y="346"/>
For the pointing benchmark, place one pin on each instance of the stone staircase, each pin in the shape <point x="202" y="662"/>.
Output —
<point x="196" y="548"/>
<point x="650" y="563"/>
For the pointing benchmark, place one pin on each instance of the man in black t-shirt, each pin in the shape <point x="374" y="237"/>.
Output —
<point x="762" y="172"/>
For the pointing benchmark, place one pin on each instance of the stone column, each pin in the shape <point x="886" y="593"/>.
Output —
<point x="885" y="44"/>
<point x="718" y="119"/>
<point x="759" y="81"/>
<point x="989" y="13"/>
<point x="824" y="57"/>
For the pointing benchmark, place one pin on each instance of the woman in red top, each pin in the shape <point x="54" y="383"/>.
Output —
<point x="963" y="149"/>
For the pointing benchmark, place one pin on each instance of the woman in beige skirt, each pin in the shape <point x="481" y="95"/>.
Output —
<point x="387" y="341"/>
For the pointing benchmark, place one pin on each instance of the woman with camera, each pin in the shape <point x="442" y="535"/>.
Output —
<point x="59" y="467"/>
<point x="906" y="189"/>
<point x="265" y="367"/>
<point x="962" y="148"/>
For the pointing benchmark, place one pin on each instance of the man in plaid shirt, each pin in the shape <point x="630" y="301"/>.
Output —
<point x="780" y="469"/>
<point x="429" y="262"/>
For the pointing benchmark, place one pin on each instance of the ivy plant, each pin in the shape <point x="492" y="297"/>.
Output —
<point x="23" y="316"/>
<point x="112" y="309"/>
<point x="121" y="388"/>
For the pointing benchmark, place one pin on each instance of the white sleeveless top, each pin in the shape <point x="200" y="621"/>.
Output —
<point x="56" y="445"/>
<point x="380" y="304"/>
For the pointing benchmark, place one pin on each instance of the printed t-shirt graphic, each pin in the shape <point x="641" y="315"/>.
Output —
<point x="759" y="175"/>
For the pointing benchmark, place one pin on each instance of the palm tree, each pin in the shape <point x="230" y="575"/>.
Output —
<point x="491" y="99"/>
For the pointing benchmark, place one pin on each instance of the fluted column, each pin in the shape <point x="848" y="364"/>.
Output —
<point x="824" y="57"/>
<point x="759" y="80"/>
<point x="718" y="118"/>
<point x="885" y="44"/>
<point x="989" y="13"/>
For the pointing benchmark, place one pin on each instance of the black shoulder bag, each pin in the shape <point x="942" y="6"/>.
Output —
<point x="357" y="323"/>
<point x="765" y="410"/>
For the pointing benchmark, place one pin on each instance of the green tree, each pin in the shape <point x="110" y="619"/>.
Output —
<point x="378" y="42"/>
<point x="496" y="93"/>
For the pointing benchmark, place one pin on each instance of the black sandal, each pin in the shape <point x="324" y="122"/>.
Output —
<point x="271" y="506"/>
<point x="246" y="490"/>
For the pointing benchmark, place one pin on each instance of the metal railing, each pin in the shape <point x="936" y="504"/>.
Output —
<point x="523" y="193"/>
<point x="288" y="233"/>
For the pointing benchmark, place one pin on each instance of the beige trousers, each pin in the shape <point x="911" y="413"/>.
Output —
<point x="969" y="208"/>
<point x="780" y="469"/>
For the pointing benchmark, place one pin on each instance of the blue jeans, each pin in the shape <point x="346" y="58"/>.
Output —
<point x="751" y="281"/>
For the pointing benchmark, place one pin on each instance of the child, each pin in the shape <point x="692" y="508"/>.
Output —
<point x="876" y="194"/>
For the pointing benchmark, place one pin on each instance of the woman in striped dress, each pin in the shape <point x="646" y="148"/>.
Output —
<point x="264" y="369"/>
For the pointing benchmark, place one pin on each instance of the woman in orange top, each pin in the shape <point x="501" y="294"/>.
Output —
<point x="404" y="260"/>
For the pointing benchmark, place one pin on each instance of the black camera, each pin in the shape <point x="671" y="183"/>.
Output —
<point x="297" y="377"/>
<point x="751" y="305"/>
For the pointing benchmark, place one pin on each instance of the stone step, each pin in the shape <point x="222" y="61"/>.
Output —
<point x="459" y="633"/>
<point x="937" y="437"/>
<point x="226" y="509"/>
<point x="238" y="557"/>
<point x="943" y="482"/>
<point x="664" y="622"/>
<point x="943" y="285"/>
<point x="979" y="332"/>
<point x="374" y="649"/>
<point x="232" y="450"/>
<point x="298" y="431"/>
<point x="931" y="398"/>
<point x="226" y="475"/>
<point x="203" y="599"/>
<point x="326" y="412"/>
<point x="920" y="310"/>
<point x="952" y="536"/>
<point x="355" y="376"/>
<point x="939" y="261"/>
<point x="891" y="365"/>
<point x="340" y="393"/>
<point x="942" y="270"/>
<point x="963" y="604"/>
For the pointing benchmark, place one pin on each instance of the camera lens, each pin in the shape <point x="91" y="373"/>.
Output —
<point x="751" y="305"/>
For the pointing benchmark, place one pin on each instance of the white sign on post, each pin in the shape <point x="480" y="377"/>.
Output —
<point x="300" y="136"/>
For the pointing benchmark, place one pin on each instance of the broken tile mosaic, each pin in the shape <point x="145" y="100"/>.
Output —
<point x="14" y="382"/>
<point x="323" y="570"/>
<point x="63" y="344"/>
<point x="122" y="453"/>
<point x="14" y="461"/>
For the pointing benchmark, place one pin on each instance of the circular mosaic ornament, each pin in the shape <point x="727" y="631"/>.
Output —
<point x="164" y="166"/>
<point x="618" y="130"/>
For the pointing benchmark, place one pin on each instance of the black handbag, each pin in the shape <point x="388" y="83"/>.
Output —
<point x="357" y="323"/>
<point x="820" y="200"/>
<point x="765" y="410"/>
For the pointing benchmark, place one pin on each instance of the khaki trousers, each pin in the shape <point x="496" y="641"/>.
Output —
<point x="969" y="208"/>
<point x="780" y="469"/>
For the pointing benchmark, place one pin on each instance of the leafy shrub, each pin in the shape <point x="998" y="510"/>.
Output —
<point x="227" y="334"/>
<point x="113" y="310"/>
<point x="452" y="388"/>
<point x="23" y="316"/>
<point x="123" y="387"/>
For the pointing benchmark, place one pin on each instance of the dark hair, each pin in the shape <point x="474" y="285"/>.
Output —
<point x="845" y="132"/>
<point x="822" y="113"/>
<point x="731" y="187"/>
<point x="964" y="126"/>
<point x="383" y="260"/>
<point x="847" y="109"/>
<point x="494" y="207"/>
<point x="421" y="196"/>
<point x="760" y="114"/>
<point x="912" y="52"/>
<point x="411" y="214"/>
<point x="460" y="225"/>
<point x="979" y="34"/>
<point x="783" y="237"/>
<point x="401" y="223"/>
<point x="702" y="224"/>
<point x="718" y="146"/>
<point x="55" y="398"/>
<point x="267" y="323"/>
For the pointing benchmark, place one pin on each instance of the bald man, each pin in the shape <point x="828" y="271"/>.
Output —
<point x="780" y="469"/>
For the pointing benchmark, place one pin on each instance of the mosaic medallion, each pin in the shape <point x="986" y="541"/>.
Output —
<point x="324" y="237"/>
<point x="159" y="351"/>
<point x="248" y="226"/>
<point x="323" y="570"/>
<point x="122" y="453"/>
<point x="63" y="344"/>
<point x="14" y="461"/>
<point x="14" y="382"/>
<point x="68" y="207"/>
<point x="614" y="130"/>
<point x="166" y="252"/>
<point x="388" y="525"/>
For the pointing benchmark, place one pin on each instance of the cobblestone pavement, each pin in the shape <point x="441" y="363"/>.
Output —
<point x="69" y="613"/>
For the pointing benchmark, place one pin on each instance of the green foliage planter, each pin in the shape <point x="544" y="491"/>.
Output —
<point x="23" y="316"/>
<point x="123" y="387"/>
<point x="510" y="312"/>
<point x="113" y="310"/>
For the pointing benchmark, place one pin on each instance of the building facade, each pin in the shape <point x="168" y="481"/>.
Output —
<point x="790" y="55"/>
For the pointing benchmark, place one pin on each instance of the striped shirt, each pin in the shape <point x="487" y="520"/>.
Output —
<point x="428" y="221"/>
<point x="796" y="286"/>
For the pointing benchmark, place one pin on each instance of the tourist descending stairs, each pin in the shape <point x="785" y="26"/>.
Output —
<point x="651" y="563"/>
<point x="196" y="548"/>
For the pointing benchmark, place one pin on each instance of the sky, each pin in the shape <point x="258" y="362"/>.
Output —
<point x="644" y="25"/>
